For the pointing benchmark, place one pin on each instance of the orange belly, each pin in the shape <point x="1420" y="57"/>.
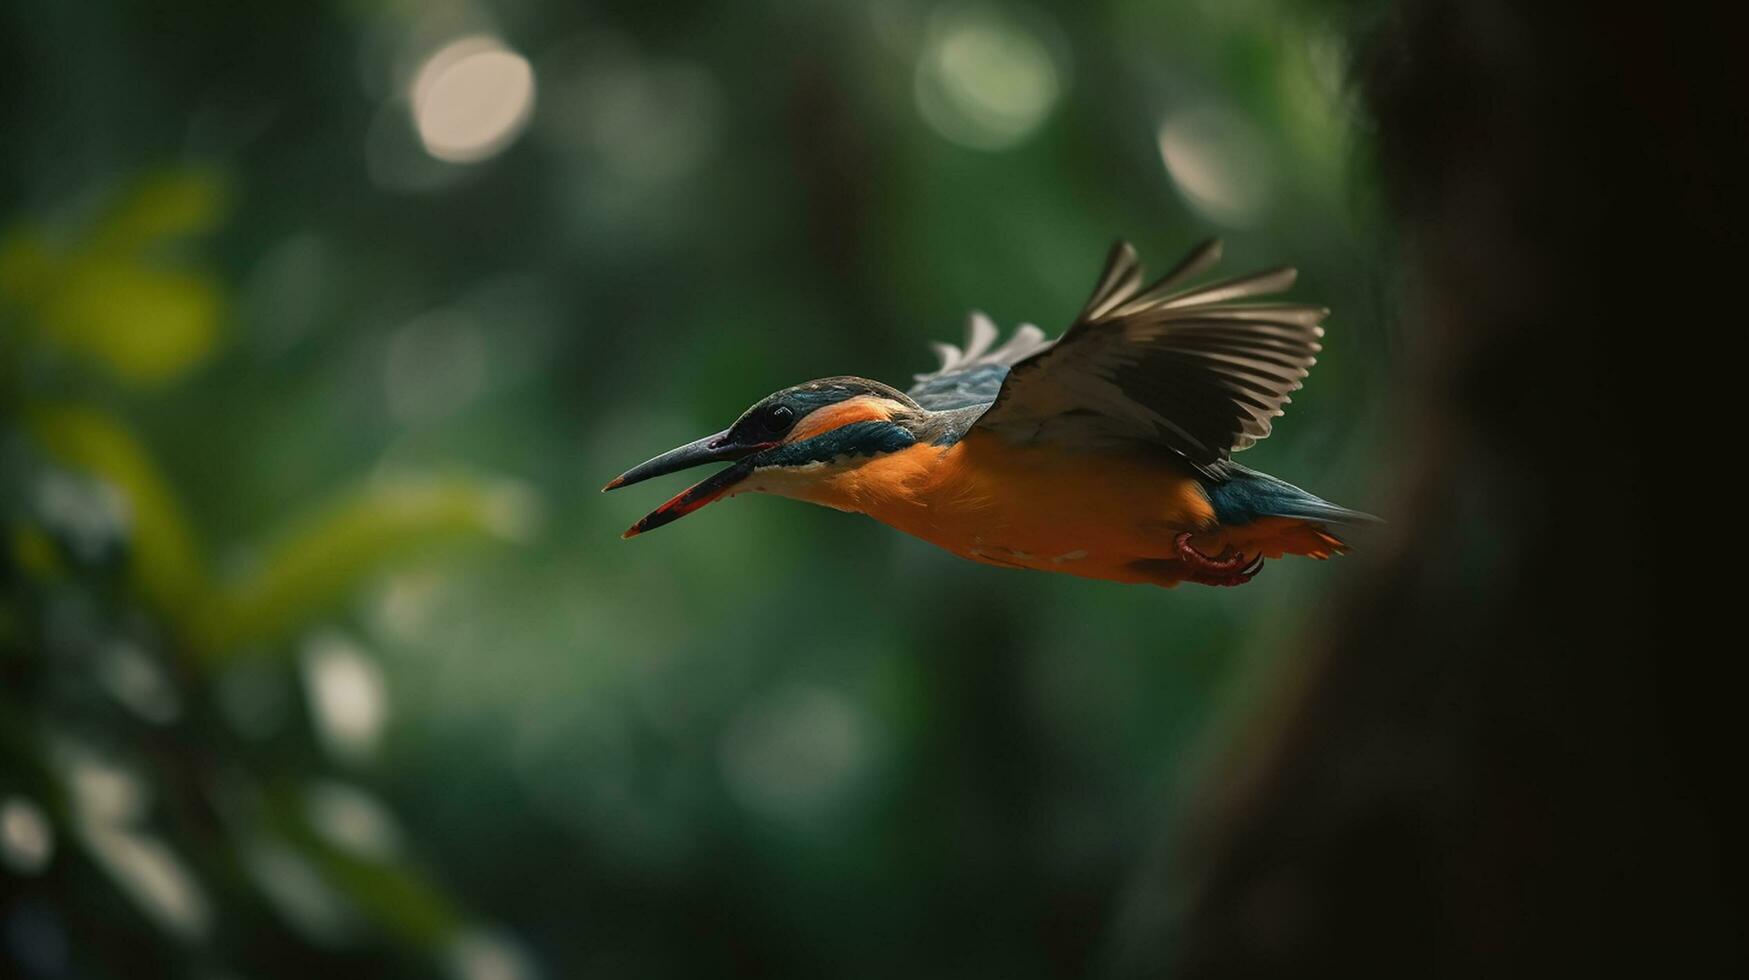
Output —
<point x="1098" y="516"/>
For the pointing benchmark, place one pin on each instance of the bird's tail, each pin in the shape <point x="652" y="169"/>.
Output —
<point x="1245" y="495"/>
<point x="1259" y="514"/>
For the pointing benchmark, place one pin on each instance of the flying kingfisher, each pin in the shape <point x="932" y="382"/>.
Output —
<point x="1104" y="453"/>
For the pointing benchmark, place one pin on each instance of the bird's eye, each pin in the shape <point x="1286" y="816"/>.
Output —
<point x="778" y="418"/>
<point x="766" y="425"/>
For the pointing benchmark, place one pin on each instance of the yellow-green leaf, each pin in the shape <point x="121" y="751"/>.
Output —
<point x="396" y="895"/>
<point x="323" y="558"/>
<point x="145" y="325"/>
<point x="35" y="553"/>
<point x="166" y="205"/>
<point x="399" y="899"/>
<point x="26" y="266"/>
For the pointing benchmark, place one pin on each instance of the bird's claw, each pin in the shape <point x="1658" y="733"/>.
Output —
<point x="1234" y="569"/>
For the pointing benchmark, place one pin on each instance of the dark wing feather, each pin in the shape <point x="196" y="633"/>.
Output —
<point x="1194" y="370"/>
<point x="973" y="376"/>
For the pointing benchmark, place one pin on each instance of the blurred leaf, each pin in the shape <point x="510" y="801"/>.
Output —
<point x="327" y="555"/>
<point x="26" y="265"/>
<point x="144" y="325"/>
<point x="397" y="898"/>
<point x="34" y="553"/>
<point x="110" y="297"/>
<point x="166" y="564"/>
<point x="166" y="205"/>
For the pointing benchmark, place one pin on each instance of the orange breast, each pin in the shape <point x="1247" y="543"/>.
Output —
<point x="1084" y="514"/>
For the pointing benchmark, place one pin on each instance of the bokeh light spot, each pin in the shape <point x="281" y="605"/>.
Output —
<point x="1220" y="163"/>
<point x="90" y="516"/>
<point x="27" y="841"/>
<point x="481" y="954"/>
<point x="148" y="870"/>
<point x="132" y="677"/>
<point x="348" y="701"/>
<point x="471" y="99"/>
<point x="353" y="819"/>
<point x="109" y="802"/>
<point x="985" y="80"/>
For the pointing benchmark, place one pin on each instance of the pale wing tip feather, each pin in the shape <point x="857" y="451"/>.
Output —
<point x="1264" y="283"/>
<point x="981" y="349"/>
<point x="1201" y="258"/>
<point x="980" y="334"/>
<point x="1118" y="281"/>
<point x="1025" y="338"/>
<point x="948" y="353"/>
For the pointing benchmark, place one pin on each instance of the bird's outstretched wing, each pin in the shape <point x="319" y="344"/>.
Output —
<point x="974" y="375"/>
<point x="1196" y="370"/>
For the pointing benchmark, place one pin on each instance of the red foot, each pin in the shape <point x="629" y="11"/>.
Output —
<point x="1234" y="569"/>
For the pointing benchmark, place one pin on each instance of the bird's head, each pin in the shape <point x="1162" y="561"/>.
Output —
<point x="786" y="442"/>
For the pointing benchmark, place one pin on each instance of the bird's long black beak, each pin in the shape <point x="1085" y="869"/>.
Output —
<point x="711" y="449"/>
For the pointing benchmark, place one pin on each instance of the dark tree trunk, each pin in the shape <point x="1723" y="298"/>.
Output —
<point x="1509" y="754"/>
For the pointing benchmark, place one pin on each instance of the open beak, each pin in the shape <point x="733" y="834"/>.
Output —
<point x="711" y="449"/>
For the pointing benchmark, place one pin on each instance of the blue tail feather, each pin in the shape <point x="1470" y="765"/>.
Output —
<point x="1243" y="495"/>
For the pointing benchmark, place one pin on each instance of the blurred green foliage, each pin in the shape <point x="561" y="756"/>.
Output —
<point x="284" y="331"/>
<point x="115" y="296"/>
<point x="109" y="594"/>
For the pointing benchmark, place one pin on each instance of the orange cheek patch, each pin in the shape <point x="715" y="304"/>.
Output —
<point x="862" y="408"/>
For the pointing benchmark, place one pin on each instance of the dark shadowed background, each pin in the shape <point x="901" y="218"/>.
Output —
<point x="323" y="323"/>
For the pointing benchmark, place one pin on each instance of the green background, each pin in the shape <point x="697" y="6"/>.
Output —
<point x="320" y="649"/>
